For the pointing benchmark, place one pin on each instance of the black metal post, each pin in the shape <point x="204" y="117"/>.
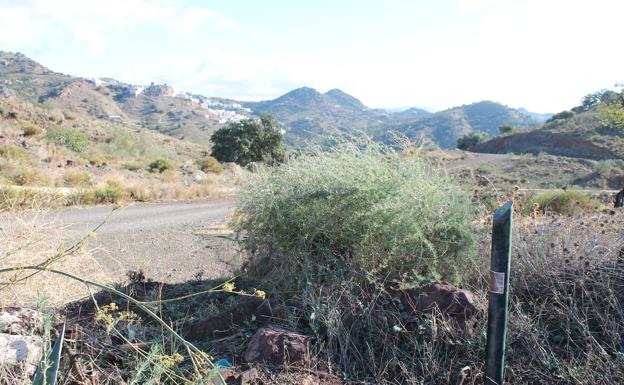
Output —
<point x="498" y="295"/>
<point x="619" y="199"/>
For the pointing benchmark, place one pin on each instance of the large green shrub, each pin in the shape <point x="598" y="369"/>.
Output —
<point x="251" y="140"/>
<point x="73" y="139"/>
<point x="355" y="212"/>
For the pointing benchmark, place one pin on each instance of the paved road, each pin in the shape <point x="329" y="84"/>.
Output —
<point x="473" y="160"/>
<point x="170" y="242"/>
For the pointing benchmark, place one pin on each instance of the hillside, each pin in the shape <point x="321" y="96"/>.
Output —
<point x="584" y="134"/>
<point x="445" y="127"/>
<point x="51" y="157"/>
<point x="157" y="107"/>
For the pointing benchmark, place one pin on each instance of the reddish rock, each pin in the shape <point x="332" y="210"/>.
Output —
<point x="277" y="346"/>
<point x="447" y="298"/>
<point x="451" y="301"/>
<point x="228" y="322"/>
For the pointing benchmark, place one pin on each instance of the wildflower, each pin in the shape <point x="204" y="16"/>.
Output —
<point x="92" y="234"/>
<point x="260" y="293"/>
<point x="229" y="287"/>
<point x="397" y="328"/>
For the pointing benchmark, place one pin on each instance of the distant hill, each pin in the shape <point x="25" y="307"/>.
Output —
<point x="308" y="115"/>
<point x="541" y="118"/>
<point x="445" y="127"/>
<point x="582" y="135"/>
<point x="311" y="116"/>
<point x="157" y="107"/>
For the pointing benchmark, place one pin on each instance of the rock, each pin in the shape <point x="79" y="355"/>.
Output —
<point x="448" y="299"/>
<point x="277" y="346"/>
<point x="232" y="168"/>
<point x="248" y="377"/>
<point x="20" y="350"/>
<point x="20" y="320"/>
<point x="227" y="322"/>
<point x="199" y="176"/>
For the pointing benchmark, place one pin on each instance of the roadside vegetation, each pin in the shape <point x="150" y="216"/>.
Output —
<point x="49" y="157"/>
<point x="343" y="244"/>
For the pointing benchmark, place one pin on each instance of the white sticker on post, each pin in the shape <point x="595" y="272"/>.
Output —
<point x="497" y="282"/>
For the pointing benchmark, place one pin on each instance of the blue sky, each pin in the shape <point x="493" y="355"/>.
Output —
<point x="540" y="54"/>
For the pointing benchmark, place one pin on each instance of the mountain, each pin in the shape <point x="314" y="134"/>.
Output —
<point x="308" y="115"/>
<point x="311" y="116"/>
<point x="445" y="127"/>
<point x="539" y="117"/>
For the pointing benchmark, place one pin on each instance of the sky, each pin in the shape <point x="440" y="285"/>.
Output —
<point x="543" y="55"/>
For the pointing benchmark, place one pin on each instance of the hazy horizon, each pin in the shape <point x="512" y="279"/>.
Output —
<point x="542" y="56"/>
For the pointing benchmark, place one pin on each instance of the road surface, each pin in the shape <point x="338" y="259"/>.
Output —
<point x="169" y="242"/>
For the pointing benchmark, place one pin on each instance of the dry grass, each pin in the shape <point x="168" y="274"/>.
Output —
<point x="32" y="238"/>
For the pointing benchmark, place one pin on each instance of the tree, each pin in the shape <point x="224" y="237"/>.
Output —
<point x="563" y="115"/>
<point x="470" y="140"/>
<point x="505" y="129"/>
<point x="250" y="140"/>
<point x="611" y="110"/>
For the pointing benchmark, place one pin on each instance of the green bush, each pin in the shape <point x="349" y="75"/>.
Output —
<point x="160" y="165"/>
<point x="470" y="140"/>
<point x="29" y="128"/>
<point x="562" y="202"/>
<point x="76" y="178"/>
<point x="354" y="212"/>
<point x="70" y="138"/>
<point x="209" y="164"/>
<point x="13" y="152"/>
<point x="112" y="192"/>
<point x="24" y="176"/>
<point x="248" y="141"/>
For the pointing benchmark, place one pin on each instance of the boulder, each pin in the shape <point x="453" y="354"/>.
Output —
<point x="276" y="346"/>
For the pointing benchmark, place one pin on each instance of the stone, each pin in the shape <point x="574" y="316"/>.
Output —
<point x="20" y="320"/>
<point x="228" y="321"/>
<point x="277" y="346"/>
<point x="199" y="176"/>
<point x="20" y="350"/>
<point x="448" y="299"/>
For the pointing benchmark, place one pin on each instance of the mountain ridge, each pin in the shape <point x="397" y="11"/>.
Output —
<point x="308" y="115"/>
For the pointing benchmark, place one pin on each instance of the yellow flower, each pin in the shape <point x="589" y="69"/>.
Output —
<point x="260" y="293"/>
<point x="92" y="234"/>
<point x="229" y="287"/>
<point x="113" y="306"/>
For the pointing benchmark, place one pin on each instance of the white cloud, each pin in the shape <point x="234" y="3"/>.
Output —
<point x="89" y="21"/>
